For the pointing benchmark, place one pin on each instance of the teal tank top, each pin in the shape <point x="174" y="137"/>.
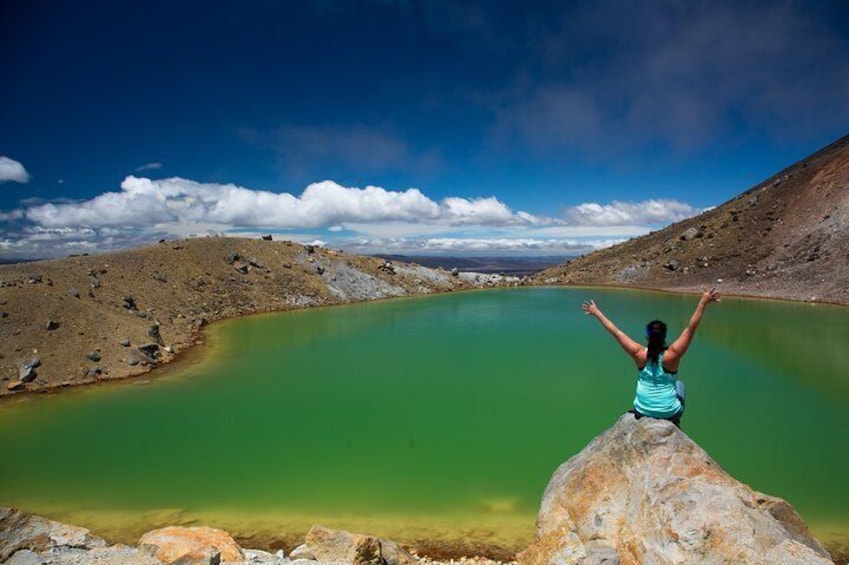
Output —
<point x="656" y="394"/>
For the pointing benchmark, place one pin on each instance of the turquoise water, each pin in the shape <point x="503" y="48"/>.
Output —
<point x="451" y="411"/>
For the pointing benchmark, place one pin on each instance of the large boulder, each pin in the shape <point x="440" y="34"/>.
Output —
<point x="358" y="549"/>
<point x="22" y="531"/>
<point x="191" y="545"/>
<point x="645" y="493"/>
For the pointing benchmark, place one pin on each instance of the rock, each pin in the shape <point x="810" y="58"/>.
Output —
<point x="160" y="277"/>
<point x="129" y="303"/>
<point x="357" y="549"/>
<point x="93" y="356"/>
<point x="689" y="234"/>
<point x="302" y="552"/>
<point x="242" y="269"/>
<point x="232" y="258"/>
<point x="455" y="272"/>
<point x="125" y="342"/>
<point x="183" y="545"/>
<point x="132" y="361"/>
<point x="153" y="332"/>
<point x="319" y="269"/>
<point x="93" y="281"/>
<point x="671" y="265"/>
<point x="309" y="248"/>
<point x="94" y="372"/>
<point x="15" y="385"/>
<point x="51" y="325"/>
<point x="26" y="374"/>
<point x="644" y="492"/>
<point x="169" y="350"/>
<point x="34" y="279"/>
<point x="25" y="557"/>
<point x="254" y="262"/>
<point x="74" y="292"/>
<point x="20" y="530"/>
<point x="267" y="237"/>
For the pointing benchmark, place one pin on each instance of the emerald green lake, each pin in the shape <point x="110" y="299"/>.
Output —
<point x="440" y="417"/>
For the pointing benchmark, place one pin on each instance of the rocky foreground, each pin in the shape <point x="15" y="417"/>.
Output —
<point x="641" y="492"/>
<point x="86" y="319"/>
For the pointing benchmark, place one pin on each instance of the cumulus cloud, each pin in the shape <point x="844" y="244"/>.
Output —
<point x="144" y="202"/>
<point x="370" y="219"/>
<point x="12" y="171"/>
<point x="648" y="212"/>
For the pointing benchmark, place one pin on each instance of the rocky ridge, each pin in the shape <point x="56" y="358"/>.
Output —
<point x="787" y="237"/>
<point x="86" y="319"/>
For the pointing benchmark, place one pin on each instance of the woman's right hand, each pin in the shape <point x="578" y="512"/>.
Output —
<point x="709" y="296"/>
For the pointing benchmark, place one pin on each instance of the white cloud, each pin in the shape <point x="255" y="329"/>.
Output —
<point x="149" y="167"/>
<point x="366" y="220"/>
<point x="144" y="202"/>
<point x="647" y="212"/>
<point x="11" y="170"/>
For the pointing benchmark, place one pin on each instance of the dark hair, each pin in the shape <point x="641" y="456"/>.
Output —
<point x="656" y="334"/>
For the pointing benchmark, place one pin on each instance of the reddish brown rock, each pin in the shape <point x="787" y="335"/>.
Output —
<point x="341" y="546"/>
<point x="191" y="545"/>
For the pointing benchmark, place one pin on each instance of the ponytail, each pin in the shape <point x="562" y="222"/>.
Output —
<point x="656" y="334"/>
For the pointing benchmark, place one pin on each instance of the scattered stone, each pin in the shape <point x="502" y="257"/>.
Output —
<point x="287" y="265"/>
<point x="689" y="234"/>
<point x="94" y="372"/>
<point x="26" y="374"/>
<point x="644" y="492"/>
<point x="242" y="269"/>
<point x="169" y="350"/>
<point x="302" y="552"/>
<point x="74" y="292"/>
<point x="132" y="361"/>
<point x="671" y="265"/>
<point x="153" y="332"/>
<point x="267" y="237"/>
<point x="173" y="544"/>
<point x="125" y="342"/>
<point x="455" y="272"/>
<point x="94" y="282"/>
<point x="34" y="279"/>
<point x="357" y="549"/>
<point x="4" y="314"/>
<point x="15" y="385"/>
<point x="254" y="262"/>
<point x="93" y="356"/>
<point x="129" y="303"/>
<point x="388" y="267"/>
<point x="319" y="269"/>
<point x="160" y="277"/>
<point x="52" y="325"/>
<point x="309" y="248"/>
<point x="232" y="258"/>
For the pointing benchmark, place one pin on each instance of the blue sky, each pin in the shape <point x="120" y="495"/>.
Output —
<point x="401" y="126"/>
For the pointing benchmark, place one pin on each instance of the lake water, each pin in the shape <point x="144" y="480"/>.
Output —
<point x="437" y="418"/>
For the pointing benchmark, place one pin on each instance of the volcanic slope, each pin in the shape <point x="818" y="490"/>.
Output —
<point x="89" y="318"/>
<point x="786" y="237"/>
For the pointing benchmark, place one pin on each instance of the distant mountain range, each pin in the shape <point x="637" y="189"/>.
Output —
<point x="786" y="237"/>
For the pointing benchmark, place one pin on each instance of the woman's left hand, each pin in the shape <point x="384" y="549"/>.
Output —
<point x="590" y="309"/>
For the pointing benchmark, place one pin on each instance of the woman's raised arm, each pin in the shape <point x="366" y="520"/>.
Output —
<point x="631" y="347"/>
<point x="679" y="346"/>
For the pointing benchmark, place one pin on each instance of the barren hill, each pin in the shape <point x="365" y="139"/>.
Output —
<point x="786" y="237"/>
<point x="89" y="318"/>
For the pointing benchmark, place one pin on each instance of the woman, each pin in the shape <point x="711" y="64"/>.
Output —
<point x="659" y="392"/>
